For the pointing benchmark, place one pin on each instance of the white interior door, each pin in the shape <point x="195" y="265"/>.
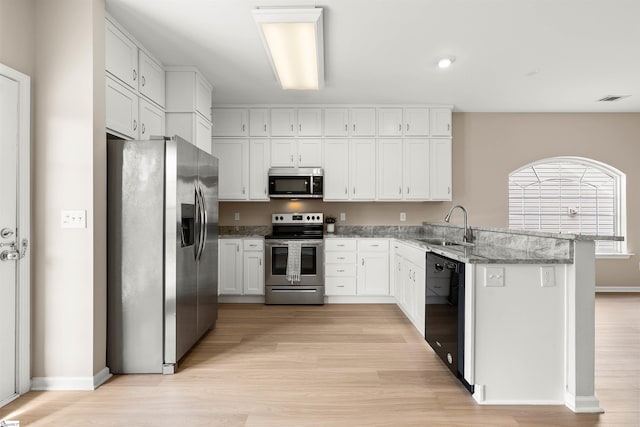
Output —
<point x="14" y="142"/>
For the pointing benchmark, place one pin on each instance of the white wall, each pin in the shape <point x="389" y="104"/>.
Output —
<point x="69" y="332"/>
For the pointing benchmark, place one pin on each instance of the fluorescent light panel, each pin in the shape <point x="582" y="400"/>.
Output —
<point x="293" y="40"/>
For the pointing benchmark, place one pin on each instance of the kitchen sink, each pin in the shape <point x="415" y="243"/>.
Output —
<point x="440" y="242"/>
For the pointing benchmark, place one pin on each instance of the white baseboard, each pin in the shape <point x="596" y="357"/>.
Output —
<point x="583" y="404"/>
<point x="71" y="383"/>
<point x="339" y="299"/>
<point x="245" y="299"/>
<point x="605" y="289"/>
<point x="479" y="397"/>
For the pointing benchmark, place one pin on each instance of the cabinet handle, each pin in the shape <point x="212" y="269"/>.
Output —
<point x="341" y="257"/>
<point x="299" y="157"/>
<point x="400" y="190"/>
<point x="237" y="247"/>
<point x="142" y="80"/>
<point x="340" y="246"/>
<point x="407" y="127"/>
<point x="354" y="127"/>
<point x="448" y="126"/>
<point x="340" y="271"/>
<point x="448" y="190"/>
<point x="243" y="190"/>
<point x="345" y="127"/>
<point x="354" y="190"/>
<point x="135" y="124"/>
<point x="291" y="128"/>
<point x="292" y="158"/>
<point x="265" y="190"/>
<point x="143" y="128"/>
<point x="345" y="190"/>
<point x="362" y="261"/>
<point x="300" y="128"/>
<point x="400" y="127"/>
<point x="265" y="127"/>
<point x="243" y="127"/>
<point x="407" y="190"/>
<point x="135" y="74"/>
<point x="260" y="262"/>
<point x="375" y="246"/>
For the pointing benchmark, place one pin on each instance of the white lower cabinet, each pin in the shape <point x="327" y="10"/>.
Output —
<point x="373" y="267"/>
<point x="409" y="281"/>
<point x="340" y="267"/>
<point x="241" y="266"/>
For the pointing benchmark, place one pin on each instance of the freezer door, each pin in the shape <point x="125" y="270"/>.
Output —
<point x="208" y="258"/>
<point x="181" y="245"/>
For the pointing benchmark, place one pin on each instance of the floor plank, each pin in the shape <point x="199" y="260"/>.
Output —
<point x="333" y="365"/>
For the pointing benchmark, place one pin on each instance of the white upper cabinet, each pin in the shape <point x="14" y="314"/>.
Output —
<point x="336" y="122"/>
<point x="440" y="169"/>
<point x="258" y="169"/>
<point x="363" y="122"/>
<point x="234" y="168"/>
<point x="416" y="169"/>
<point x="440" y="122"/>
<point x="151" y="120"/>
<point x="309" y="122"/>
<point x="230" y="122"/>
<point x="296" y="152"/>
<point x="283" y="122"/>
<point x="362" y="168"/>
<point x="121" y="56"/>
<point x="151" y="82"/>
<point x="390" y="121"/>
<point x="336" y="169"/>
<point x="121" y="105"/>
<point x="390" y="169"/>
<point x="259" y="122"/>
<point x="203" y="96"/>
<point x="187" y="92"/>
<point x="416" y="121"/>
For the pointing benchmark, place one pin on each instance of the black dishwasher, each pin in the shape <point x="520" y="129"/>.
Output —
<point x="444" y="312"/>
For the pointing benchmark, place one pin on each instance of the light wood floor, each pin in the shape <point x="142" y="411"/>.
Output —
<point x="334" y="365"/>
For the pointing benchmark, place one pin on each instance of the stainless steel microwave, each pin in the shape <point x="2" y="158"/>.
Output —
<point x="294" y="183"/>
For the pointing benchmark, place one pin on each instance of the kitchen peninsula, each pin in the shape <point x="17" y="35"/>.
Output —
<point x="529" y="315"/>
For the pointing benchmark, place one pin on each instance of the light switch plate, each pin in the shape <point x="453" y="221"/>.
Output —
<point x="73" y="219"/>
<point x="343" y="216"/>
<point x="547" y="277"/>
<point x="403" y="216"/>
<point x="493" y="276"/>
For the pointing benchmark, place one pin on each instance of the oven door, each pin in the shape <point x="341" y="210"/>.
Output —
<point x="311" y="263"/>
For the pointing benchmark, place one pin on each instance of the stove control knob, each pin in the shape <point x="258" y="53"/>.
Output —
<point x="281" y="218"/>
<point x="307" y="217"/>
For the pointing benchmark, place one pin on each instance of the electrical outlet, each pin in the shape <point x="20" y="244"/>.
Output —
<point x="236" y="216"/>
<point x="547" y="277"/>
<point x="73" y="219"/>
<point x="343" y="216"/>
<point x="494" y="277"/>
<point x="403" y="216"/>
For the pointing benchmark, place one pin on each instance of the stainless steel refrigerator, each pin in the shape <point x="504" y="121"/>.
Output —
<point x="162" y="252"/>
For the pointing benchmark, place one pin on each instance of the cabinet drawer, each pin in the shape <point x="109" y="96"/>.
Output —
<point x="340" y="286"/>
<point x="340" y="244"/>
<point x="340" y="257"/>
<point x="373" y="245"/>
<point x="341" y="270"/>
<point x="253" y="244"/>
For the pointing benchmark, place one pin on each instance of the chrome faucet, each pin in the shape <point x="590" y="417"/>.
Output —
<point x="467" y="237"/>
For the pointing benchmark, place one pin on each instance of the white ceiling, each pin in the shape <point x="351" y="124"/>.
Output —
<point x="511" y="55"/>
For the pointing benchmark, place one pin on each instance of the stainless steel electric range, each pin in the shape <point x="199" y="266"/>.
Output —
<point x="294" y="270"/>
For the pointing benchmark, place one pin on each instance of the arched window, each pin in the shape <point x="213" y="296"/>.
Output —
<point x="570" y="195"/>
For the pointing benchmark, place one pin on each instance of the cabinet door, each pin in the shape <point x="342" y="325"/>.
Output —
<point x="416" y="121"/>
<point x="203" y="133"/>
<point x="440" y="169"/>
<point x="309" y="122"/>
<point x="389" y="170"/>
<point x="362" y="167"/>
<point x="151" y="120"/>
<point x="336" y="169"/>
<point x="310" y="153"/>
<point x="416" y="169"/>
<point x="409" y="289"/>
<point x="121" y="106"/>
<point x="259" y="122"/>
<point x="419" y="284"/>
<point x="253" y="277"/>
<point x="230" y="267"/>
<point x="229" y="122"/>
<point x="203" y="100"/>
<point x="283" y="153"/>
<point x="151" y="82"/>
<point x="440" y="122"/>
<point x="363" y="122"/>
<point x="336" y="122"/>
<point x="258" y="169"/>
<point x="283" y="122"/>
<point x="389" y="121"/>
<point x="373" y="273"/>
<point x="121" y="56"/>
<point x="234" y="163"/>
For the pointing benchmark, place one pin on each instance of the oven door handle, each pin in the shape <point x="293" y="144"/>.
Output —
<point x="298" y="291"/>
<point x="285" y="242"/>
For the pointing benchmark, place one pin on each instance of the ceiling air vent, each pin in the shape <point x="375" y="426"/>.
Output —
<point x="612" y="98"/>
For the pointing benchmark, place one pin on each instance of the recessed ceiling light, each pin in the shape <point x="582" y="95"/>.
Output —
<point x="446" y="62"/>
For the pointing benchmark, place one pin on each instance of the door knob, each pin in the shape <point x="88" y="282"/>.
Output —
<point x="9" y="255"/>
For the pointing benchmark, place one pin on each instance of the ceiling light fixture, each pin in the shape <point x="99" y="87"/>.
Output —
<point x="294" y="43"/>
<point x="446" y="62"/>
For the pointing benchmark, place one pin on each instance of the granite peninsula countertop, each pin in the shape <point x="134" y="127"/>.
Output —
<point x="491" y="245"/>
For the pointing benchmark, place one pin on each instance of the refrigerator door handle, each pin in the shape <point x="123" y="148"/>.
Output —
<point x="199" y="217"/>
<point x="203" y="225"/>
